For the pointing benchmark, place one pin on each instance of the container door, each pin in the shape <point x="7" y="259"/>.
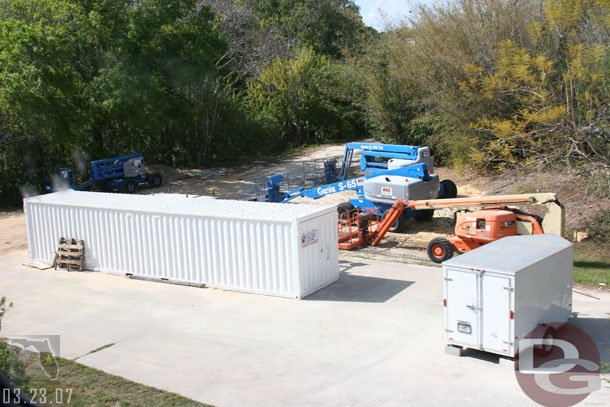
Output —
<point x="462" y="312"/>
<point x="496" y="298"/>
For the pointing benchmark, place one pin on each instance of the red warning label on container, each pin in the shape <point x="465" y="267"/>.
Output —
<point x="309" y="238"/>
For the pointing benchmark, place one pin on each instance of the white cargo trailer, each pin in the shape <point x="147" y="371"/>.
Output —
<point x="495" y="295"/>
<point x="276" y="249"/>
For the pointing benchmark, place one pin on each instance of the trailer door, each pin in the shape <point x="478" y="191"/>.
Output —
<point x="496" y="299"/>
<point x="462" y="308"/>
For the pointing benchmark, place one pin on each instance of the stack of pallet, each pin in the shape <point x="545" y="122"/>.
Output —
<point x="70" y="254"/>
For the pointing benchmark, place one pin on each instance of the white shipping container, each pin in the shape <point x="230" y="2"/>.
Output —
<point x="497" y="294"/>
<point x="276" y="249"/>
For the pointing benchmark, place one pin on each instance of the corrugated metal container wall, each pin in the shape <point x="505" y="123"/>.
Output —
<point x="276" y="249"/>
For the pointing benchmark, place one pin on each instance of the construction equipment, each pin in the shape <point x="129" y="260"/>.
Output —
<point x="376" y="191"/>
<point x="119" y="173"/>
<point x="495" y="221"/>
<point x="474" y="229"/>
<point x="376" y="158"/>
<point x="394" y="172"/>
<point x="364" y="227"/>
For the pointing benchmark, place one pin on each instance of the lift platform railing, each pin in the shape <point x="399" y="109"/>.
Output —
<point x="356" y="227"/>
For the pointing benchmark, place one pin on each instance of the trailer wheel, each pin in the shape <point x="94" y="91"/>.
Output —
<point x="449" y="188"/>
<point x="128" y="187"/>
<point x="548" y="334"/>
<point x="424" y="215"/>
<point x="398" y="225"/>
<point x="440" y="249"/>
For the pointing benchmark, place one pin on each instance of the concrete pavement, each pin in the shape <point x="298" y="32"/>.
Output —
<point x="373" y="338"/>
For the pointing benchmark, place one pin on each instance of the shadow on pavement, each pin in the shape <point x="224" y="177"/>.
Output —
<point x="353" y="288"/>
<point x="484" y="356"/>
<point x="599" y="330"/>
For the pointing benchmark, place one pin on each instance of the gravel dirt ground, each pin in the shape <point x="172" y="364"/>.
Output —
<point x="228" y="183"/>
<point x="13" y="236"/>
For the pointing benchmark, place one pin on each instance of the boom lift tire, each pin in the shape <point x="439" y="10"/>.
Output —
<point x="155" y="180"/>
<point x="398" y="226"/>
<point x="424" y="215"/>
<point x="440" y="249"/>
<point x="103" y="187"/>
<point x="449" y="188"/>
<point x="128" y="187"/>
<point x="344" y="207"/>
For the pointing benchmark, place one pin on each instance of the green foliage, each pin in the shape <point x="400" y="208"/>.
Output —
<point x="4" y="306"/>
<point x="91" y="387"/>
<point x="328" y="27"/>
<point x="522" y="113"/>
<point x="108" y="78"/>
<point x="599" y="227"/>
<point x="489" y="84"/>
<point x="392" y="100"/>
<point x="156" y="76"/>
<point x="11" y="365"/>
<point x="497" y="84"/>
<point x="299" y="98"/>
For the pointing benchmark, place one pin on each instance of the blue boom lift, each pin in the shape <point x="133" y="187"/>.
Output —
<point x="395" y="172"/>
<point x="119" y="173"/>
<point x="377" y="158"/>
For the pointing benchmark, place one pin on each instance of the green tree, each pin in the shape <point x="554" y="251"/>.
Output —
<point x="496" y="84"/>
<point x="299" y="98"/>
<point x="104" y="77"/>
<point x="327" y="26"/>
<point x="11" y="365"/>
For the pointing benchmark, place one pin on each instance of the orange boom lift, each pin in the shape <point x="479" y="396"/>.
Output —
<point x="473" y="229"/>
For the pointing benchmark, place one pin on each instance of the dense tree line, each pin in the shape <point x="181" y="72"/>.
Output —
<point x="487" y="83"/>
<point x="498" y="84"/>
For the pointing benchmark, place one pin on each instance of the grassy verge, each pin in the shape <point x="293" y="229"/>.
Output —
<point x="79" y="385"/>
<point x="592" y="262"/>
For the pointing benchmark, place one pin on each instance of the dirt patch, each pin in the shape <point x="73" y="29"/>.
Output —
<point x="167" y="173"/>
<point x="227" y="183"/>
<point x="13" y="237"/>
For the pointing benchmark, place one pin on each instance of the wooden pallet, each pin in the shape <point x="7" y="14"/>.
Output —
<point x="70" y="254"/>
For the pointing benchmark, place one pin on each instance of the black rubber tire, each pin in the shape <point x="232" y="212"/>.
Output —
<point x="155" y="180"/>
<point x="399" y="225"/>
<point x="440" y="249"/>
<point x="424" y="215"/>
<point x="363" y="220"/>
<point x="102" y="186"/>
<point x="344" y="207"/>
<point x="128" y="186"/>
<point x="548" y="334"/>
<point x="449" y="189"/>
